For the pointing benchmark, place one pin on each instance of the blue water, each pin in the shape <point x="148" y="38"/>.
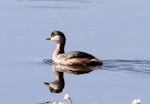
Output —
<point x="116" y="80"/>
<point x="116" y="32"/>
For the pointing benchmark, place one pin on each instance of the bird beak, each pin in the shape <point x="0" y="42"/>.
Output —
<point x="49" y="38"/>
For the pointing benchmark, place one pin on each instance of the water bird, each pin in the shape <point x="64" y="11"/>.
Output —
<point x="76" y="58"/>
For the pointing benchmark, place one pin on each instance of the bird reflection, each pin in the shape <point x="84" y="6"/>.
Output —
<point x="57" y="86"/>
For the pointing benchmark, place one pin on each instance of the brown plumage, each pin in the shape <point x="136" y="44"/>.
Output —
<point x="70" y="58"/>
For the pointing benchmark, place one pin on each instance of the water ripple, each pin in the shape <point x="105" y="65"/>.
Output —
<point x="58" y="3"/>
<point x="140" y="66"/>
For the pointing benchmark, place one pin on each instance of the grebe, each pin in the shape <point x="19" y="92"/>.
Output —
<point x="70" y="58"/>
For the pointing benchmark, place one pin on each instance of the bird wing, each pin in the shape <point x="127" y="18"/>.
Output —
<point x="76" y="54"/>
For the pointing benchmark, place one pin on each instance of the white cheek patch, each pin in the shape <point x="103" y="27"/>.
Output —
<point x="56" y="38"/>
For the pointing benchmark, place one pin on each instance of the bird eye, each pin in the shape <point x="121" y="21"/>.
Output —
<point x="52" y="34"/>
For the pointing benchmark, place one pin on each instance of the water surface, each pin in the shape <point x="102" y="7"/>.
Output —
<point x="115" y="31"/>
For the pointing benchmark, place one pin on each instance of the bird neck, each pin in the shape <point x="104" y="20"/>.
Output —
<point x="59" y="50"/>
<point x="58" y="74"/>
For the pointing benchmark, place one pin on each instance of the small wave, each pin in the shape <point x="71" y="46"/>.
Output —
<point x="48" y="61"/>
<point x="140" y="66"/>
<point x="58" y="3"/>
